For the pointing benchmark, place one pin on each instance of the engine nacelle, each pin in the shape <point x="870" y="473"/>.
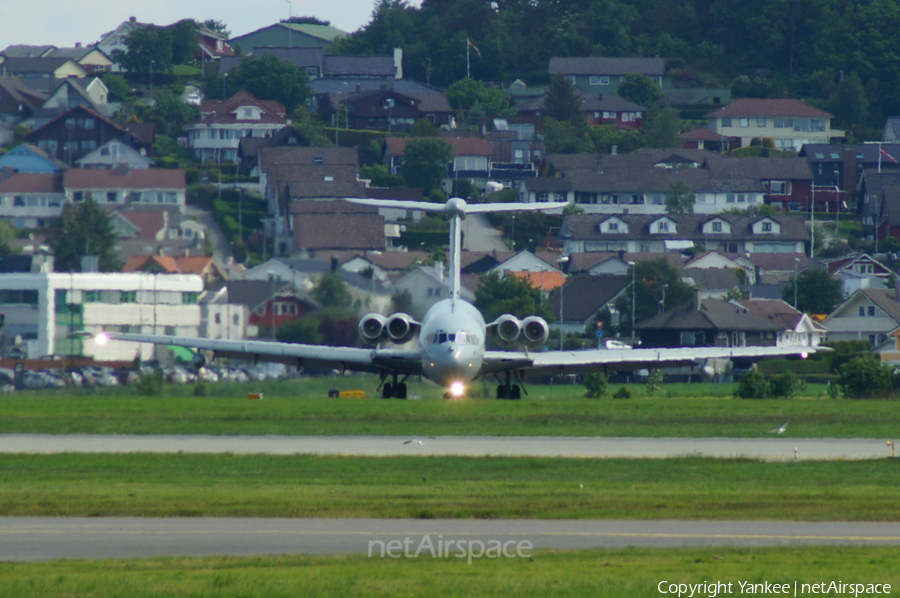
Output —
<point x="400" y="328"/>
<point x="506" y="330"/>
<point x="198" y="361"/>
<point x="535" y="332"/>
<point x="371" y="328"/>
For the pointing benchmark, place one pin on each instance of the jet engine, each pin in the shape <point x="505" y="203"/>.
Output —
<point x="371" y="328"/>
<point x="535" y="331"/>
<point x="401" y="328"/>
<point x="506" y="330"/>
<point x="198" y="361"/>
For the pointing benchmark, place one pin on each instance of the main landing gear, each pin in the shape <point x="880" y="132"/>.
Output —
<point x="394" y="389"/>
<point x="510" y="390"/>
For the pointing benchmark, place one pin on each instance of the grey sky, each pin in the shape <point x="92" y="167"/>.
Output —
<point x="64" y="22"/>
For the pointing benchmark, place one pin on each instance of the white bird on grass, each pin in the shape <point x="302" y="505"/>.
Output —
<point x="780" y="429"/>
<point x="417" y="441"/>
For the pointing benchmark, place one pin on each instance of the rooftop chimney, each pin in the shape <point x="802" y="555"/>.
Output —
<point x="696" y="299"/>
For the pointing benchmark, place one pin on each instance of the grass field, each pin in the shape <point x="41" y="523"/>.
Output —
<point x="591" y="573"/>
<point x="446" y="487"/>
<point x="302" y="408"/>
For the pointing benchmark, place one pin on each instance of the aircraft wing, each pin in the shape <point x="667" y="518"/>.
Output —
<point x="316" y="356"/>
<point x="555" y="362"/>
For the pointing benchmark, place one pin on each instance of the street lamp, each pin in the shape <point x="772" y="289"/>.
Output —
<point x="632" y="302"/>
<point x="562" y="260"/>
<point x="796" y="261"/>
<point x="271" y="274"/>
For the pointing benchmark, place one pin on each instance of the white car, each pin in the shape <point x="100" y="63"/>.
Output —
<point x="193" y="99"/>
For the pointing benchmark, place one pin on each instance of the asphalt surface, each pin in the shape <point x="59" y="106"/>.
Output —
<point x="769" y="447"/>
<point x="38" y="539"/>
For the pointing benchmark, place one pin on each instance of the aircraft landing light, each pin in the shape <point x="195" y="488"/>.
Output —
<point x="102" y="338"/>
<point x="457" y="389"/>
<point x="804" y="355"/>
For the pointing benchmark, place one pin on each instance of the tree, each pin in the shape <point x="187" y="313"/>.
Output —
<point x="595" y="385"/>
<point x="497" y="295"/>
<point x="331" y="291"/>
<point x="425" y="162"/>
<point x="83" y="229"/>
<point x="217" y="26"/>
<point x="680" y="200"/>
<point x="146" y="45"/>
<point x="565" y="137"/>
<point x="640" y="89"/>
<point x="849" y="102"/>
<point x="267" y="78"/>
<point x="303" y="331"/>
<point x="563" y="102"/>
<point x="184" y="40"/>
<point x="817" y="291"/>
<point x="664" y="129"/>
<point x="865" y="377"/>
<point x="650" y="277"/>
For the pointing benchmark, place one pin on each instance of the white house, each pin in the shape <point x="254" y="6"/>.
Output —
<point x="46" y="310"/>
<point x="426" y="286"/>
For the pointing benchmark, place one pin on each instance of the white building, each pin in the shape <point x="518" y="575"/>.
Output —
<point x="47" y="310"/>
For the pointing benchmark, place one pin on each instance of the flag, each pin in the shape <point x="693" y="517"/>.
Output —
<point x="880" y="151"/>
<point x="477" y="51"/>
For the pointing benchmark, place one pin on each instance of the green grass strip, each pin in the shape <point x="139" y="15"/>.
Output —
<point x="446" y="487"/>
<point x="304" y="409"/>
<point x="591" y="573"/>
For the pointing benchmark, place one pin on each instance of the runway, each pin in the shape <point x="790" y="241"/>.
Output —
<point x="37" y="539"/>
<point x="768" y="448"/>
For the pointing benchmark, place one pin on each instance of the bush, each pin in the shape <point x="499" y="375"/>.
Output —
<point x="595" y="385"/>
<point x="201" y="388"/>
<point x="865" y="377"/>
<point x="784" y="385"/>
<point x="654" y="381"/>
<point x="622" y="393"/>
<point x="753" y="385"/>
<point x="151" y="384"/>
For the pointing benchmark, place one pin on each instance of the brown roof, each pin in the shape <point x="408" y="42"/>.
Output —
<point x="173" y="264"/>
<point x="217" y="111"/>
<point x="296" y="155"/>
<point x="329" y="206"/>
<point x="777" y="311"/>
<point x="339" y="231"/>
<point x="459" y="146"/>
<point x="783" y="107"/>
<point x="28" y="182"/>
<point x="543" y="281"/>
<point x="148" y="222"/>
<point x="107" y="178"/>
<point x="606" y="66"/>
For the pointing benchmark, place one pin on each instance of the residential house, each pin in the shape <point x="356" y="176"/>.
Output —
<point x="581" y="297"/>
<point x="385" y="266"/>
<point x="384" y="110"/>
<point x="211" y="45"/>
<point x="249" y="148"/>
<point x="603" y="75"/>
<point x="470" y="158"/>
<point x="30" y="200"/>
<point x="316" y="233"/>
<point x="268" y="303"/>
<point x="18" y="101"/>
<point x="891" y="131"/>
<point x="426" y="286"/>
<point x="47" y="309"/>
<point x="868" y="314"/>
<point x="42" y="74"/>
<point x="879" y="202"/>
<point x="704" y="139"/>
<point x="616" y="263"/>
<point x="113" y="153"/>
<point x="671" y="232"/>
<point x="714" y="283"/>
<point x="91" y="58"/>
<point x="220" y="318"/>
<point x="798" y="329"/>
<point x="30" y="158"/>
<point x="75" y="133"/>
<point x="786" y="182"/>
<point x="598" y="109"/>
<point x="790" y="123"/>
<point x="838" y="169"/>
<point x="90" y="93"/>
<point x="859" y="271"/>
<point x="289" y="35"/>
<point x="708" y="323"/>
<point x="120" y="186"/>
<point x="216" y="136"/>
<point x="204" y="266"/>
<point x="146" y="231"/>
<point x="117" y="38"/>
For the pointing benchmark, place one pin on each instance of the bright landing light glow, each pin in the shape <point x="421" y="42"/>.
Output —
<point x="457" y="389"/>
<point x="102" y="338"/>
<point x="804" y="355"/>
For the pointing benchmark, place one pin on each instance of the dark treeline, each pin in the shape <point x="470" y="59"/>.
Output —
<point x="759" y="48"/>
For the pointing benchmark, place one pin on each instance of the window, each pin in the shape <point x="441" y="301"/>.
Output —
<point x="236" y="320"/>
<point x="726" y="122"/>
<point x="767" y="227"/>
<point x="729" y="198"/>
<point x="595" y="80"/>
<point x="871" y="310"/>
<point x="70" y="123"/>
<point x="78" y="196"/>
<point x="218" y="318"/>
<point x="112" y="197"/>
<point x="190" y="298"/>
<point x="604" y="80"/>
<point x="663" y="227"/>
<point x="90" y="296"/>
<point x="19" y="201"/>
<point x="744" y="122"/>
<point x="817" y="126"/>
<point x="717" y="227"/>
<point x="761" y="122"/>
<point x="570" y="79"/>
<point x="543" y="197"/>
<point x="613" y="227"/>
<point x="89" y="123"/>
<point x="128" y="297"/>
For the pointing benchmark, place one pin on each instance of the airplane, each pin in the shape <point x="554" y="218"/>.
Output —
<point x="452" y="336"/>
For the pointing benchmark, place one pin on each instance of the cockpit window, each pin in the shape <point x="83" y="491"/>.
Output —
<point x="442" y="338"/>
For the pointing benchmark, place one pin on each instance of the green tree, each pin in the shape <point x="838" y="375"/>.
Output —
<point x="331" y="291"/>
<point x="146" y="45"/>
<point x="425" y="162"/>
<point x="565" y="137"/>
<point x="595" y="385"/>
<point x="380" y="176"/>
<point x="664" y="130"/>
<point x="640" y="89"/>
<point x="423" y="127"/>
<point x="753" y="385"/>
<point x="304" y="331"/>
<point x="650" y="277"/>
<point x="497" y="295"/>
<point x="217" y="26"/>
<point x="849" y="103"/>
<point x="817" y="291"/>
<point x="563" y="102"/>
<point x="184" y="40"/>
<point x="865" y="377"/>
<point x="680" y="199"/>
<point x="117" y="86"/>
<point x="267" y="78"/>
<point x="83" y="229"/>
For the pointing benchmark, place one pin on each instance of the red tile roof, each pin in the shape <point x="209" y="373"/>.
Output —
<point x="27" y="182"/>
<point x="106" y="178"/>
<point x="543" y="281"/>
<point x="339" y="231"/>
<point x="216" y="111"/>
<point x="459" y="146"/>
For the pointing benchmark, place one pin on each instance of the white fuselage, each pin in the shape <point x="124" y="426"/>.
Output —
<point x="452" y="339"/>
